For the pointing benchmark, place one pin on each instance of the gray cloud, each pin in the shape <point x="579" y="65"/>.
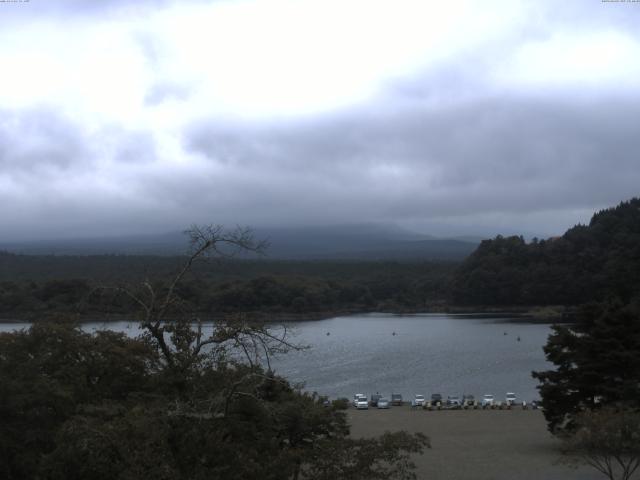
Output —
<point x="38" y="140"/>
<point x="438" y="149"/>
<point x="498" y="155"/>
<point x="534" y="163"/>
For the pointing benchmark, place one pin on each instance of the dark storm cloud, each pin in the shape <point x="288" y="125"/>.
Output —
<point x="497" y="155"/>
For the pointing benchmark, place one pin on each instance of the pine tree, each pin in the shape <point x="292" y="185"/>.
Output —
<point x="597" y="363"/>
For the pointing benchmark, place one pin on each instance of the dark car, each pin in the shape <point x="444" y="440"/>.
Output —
<point x="396" y="399"/>
<point x="468" y="400"/>
<point x="435" y="398"/>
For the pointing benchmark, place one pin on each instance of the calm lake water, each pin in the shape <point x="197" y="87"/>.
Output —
<point x="429" y="353"/>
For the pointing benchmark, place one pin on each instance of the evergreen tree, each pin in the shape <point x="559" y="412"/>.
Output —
<point x="589" y="262"/>
<point x="597" y="363"/>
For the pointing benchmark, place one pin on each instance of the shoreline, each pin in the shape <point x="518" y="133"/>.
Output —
<point x="510" y="314"/>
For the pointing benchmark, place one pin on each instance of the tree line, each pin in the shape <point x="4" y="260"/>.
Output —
<point x="240" y="286"/>
<point x="587" y="263"/>
<point x="591" y="397"/>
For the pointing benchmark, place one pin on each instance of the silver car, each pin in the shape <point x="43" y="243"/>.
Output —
<point x="453" y="401"/>
<point x="487" y="400"/>
<point x="383" y="403"/>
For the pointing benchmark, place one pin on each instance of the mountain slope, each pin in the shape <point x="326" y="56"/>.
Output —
<point x="345" y="242"/>
<point x="587" y="263"/>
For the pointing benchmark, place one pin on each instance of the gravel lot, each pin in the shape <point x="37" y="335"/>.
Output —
<point x="476" y="444"/>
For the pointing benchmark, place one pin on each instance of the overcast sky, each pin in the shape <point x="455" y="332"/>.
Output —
<point x="447" y="117"/>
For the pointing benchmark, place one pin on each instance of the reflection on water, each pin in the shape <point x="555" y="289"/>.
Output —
<point x="407" y="354"/>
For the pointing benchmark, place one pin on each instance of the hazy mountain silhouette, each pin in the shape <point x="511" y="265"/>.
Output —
<point x="359" y="242"/>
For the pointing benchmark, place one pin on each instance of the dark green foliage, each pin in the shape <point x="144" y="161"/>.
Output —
<point x="587" y="263"/>
<point x="80" y="406"/>
<point x="597" y="363"/>
<point x="222" y="287"/>
<point x="47" y="372"/>
<point x="387" y="457"/>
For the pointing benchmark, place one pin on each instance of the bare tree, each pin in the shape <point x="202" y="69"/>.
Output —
<point x="177" y="329"/>
<point x="607" y="440"/>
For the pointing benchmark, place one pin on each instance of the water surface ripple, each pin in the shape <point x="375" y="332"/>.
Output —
<point x="410" y="354"/>
<point x="407" y="354"/>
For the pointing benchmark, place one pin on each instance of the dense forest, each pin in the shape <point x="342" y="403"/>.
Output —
<point x="31" y="286"/>
<point x="587" y="263"/>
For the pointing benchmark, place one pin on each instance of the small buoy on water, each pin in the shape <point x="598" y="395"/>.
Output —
<point x="504" y="333"/>
<point x="393" y="333"/>
<point x="518" y="338"/>
<point x="328" y="333"/>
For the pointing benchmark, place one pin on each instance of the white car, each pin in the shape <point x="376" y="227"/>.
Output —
<point x="510" y="398"/>
<point x="357" y="397"/>
<point x="418" y="400"/>
<point x="487" y="400"/>
<point x="362" y="403"/>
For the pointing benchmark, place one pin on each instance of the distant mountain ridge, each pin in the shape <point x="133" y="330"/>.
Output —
<point x="357" y="242"/>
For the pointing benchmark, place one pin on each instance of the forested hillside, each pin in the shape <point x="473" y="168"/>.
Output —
<point x="33" y="286"/>
<point x="587" y="263"/>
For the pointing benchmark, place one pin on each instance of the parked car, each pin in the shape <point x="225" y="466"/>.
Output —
<point x="325" y="401"/>
<point x="510" y="398"/>
<point x="418" y="400"/>
<point x="362" y="403"/>
<point x="396" y="399"/>
<point x="487" y="400"/>
<point x="453" y="401"/>
<point x="467" y="400"/>
<point x="435" y="398"/>
<point x="357" y="397"/>
<point x="383" y="403"/>
<point x="375" y="398"/>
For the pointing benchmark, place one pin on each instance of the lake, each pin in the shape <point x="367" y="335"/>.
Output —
<point x="407" y="354"/>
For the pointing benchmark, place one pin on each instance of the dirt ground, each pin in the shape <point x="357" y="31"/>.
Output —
<point x="476" y="444"/>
